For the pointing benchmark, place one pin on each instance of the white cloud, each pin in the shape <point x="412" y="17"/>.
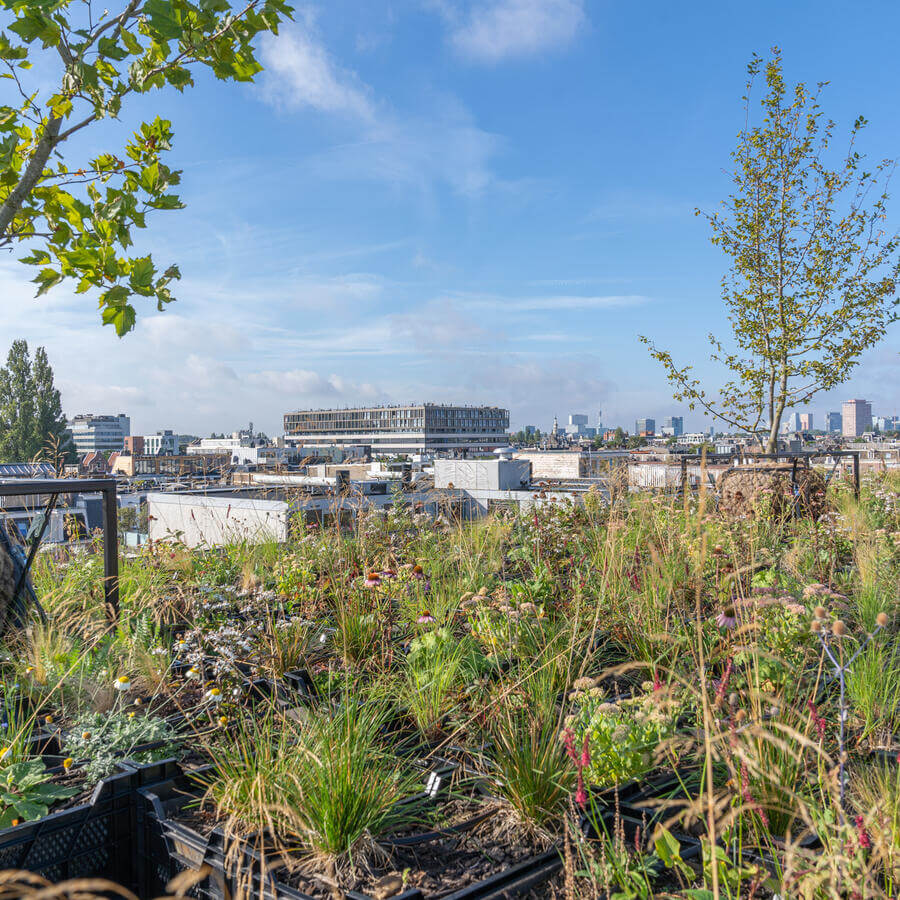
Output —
<point x="302" y="73"/>
<point x="506" y="29"/>
<point x="445" y="145"/>
<point x="563" y="302"/>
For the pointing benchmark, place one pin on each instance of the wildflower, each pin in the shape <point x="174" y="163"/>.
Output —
<point x="388" y="573"/>
<point x="817" y="720"/>
<point x="865" y="842"/>
<point x="585" y="754"/>
<point x="223" y="721"/>
<point x="569" y="742"/>
<point x="418" y="572"/>
<point x="4" y="755"/>
<point x="122" y="683"/>
<point x="214" y="695"/>
<point x="48" y="720"/>
<point x="67" y="763"/>
<point x="373" y="579"/>
<point x="192" y="672"/>
<point x="581" y="797"/>
<point x="131" y="715"/>
<point x="726" y="618"/>
<point x="85" y="735"/>
<point x="29" y="670"/>
<point x="583" y="684"/>
<point x="426" y="618"/>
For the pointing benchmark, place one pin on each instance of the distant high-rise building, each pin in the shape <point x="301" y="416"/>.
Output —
<point x="806" y="422"/>
<point x="856" y="417"/>
<point x="529" y="430"/>
<point x="673" y="426"/>
<point x="881" y="423"/>
<point x="91" y="433"/>
<point x="645" y="427"/>
<point x="833" y="422"/>
<point x="791" y="422"/>
<point x="577" y="419"/>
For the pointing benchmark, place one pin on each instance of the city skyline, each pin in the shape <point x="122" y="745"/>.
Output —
<point x="412" y="203"/>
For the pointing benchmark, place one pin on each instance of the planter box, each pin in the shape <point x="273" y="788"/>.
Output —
<point x="170" y="847"/>
<point x="93" y="839"/>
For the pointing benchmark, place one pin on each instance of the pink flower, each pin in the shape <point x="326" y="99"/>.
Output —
<point x="726" y="619"/>
<point x="388" y="573"/>
<point x="373" y="579"/>
<point x="585" y="754"/>
<point x="569" y="743"/>
<point x="865" y="842"/>
<point x="581" y="797"/>
<point x="426" y="618"/>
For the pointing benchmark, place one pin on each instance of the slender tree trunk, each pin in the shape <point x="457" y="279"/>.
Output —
<point x="30" y="176"/>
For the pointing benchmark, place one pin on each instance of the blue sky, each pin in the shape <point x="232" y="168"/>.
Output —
<point x="454" y="201"/>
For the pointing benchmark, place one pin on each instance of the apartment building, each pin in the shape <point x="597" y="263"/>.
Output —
<point x="424" y="428"/>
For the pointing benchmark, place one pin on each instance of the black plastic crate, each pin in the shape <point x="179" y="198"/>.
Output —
<point x="93" y="839"/>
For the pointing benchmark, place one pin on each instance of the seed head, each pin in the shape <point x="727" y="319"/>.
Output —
<point x="882" y="619"/>
<point x="839" y="629"/>
<point x="815" y="626"/>
<point x="820" y="612"/>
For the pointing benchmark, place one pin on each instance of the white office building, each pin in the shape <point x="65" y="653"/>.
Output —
<point x="102" y="434"/>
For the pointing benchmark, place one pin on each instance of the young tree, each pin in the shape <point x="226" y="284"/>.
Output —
<point x="81" y="214"/>
<point x="31" y="416"/>
<point x="813" y="272"/>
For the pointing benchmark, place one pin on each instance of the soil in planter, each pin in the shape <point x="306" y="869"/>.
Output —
<point x="446" y="864"/>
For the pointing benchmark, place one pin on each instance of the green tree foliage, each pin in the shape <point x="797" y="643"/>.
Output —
<point x="32" y="423"/>
<point x="77" y="217"/>
<point x="813" y="275"/>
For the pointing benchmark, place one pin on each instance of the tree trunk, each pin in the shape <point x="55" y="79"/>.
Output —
<point x="30" y="177"/>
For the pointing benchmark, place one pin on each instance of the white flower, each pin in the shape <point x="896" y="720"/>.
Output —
<point x="192" y="672"/>
<point x="214" y="695"/>
<point x="122" y="683"/>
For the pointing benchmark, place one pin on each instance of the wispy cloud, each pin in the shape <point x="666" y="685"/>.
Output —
<point x="557" y="302"/>
<point x="303" y="74"/>
<point x="411" y="150"/>
<point x="508" y="29"/>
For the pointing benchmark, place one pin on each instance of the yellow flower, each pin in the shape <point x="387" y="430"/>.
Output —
<point x="85" y="735"/>
<point x="67" y="763"/>
<point x="223" y="720"/>
<point x="4" y="754"/>
<point x="131" y="714"/>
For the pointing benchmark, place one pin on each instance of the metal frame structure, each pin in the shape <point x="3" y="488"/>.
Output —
<point x="790" y="456"/>
<point x="31" y="487"/>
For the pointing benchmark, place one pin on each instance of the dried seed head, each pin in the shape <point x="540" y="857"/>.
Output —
<point x="820" y="612"/>
<point x="815" y="626"/>
<point x="839" y="628"/>
<point x="740" y="715"/>
<point x="882" y="619"/>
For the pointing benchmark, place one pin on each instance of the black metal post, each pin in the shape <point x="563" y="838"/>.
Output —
<point x="856" y="474"/>
<point x="111" y="553"/>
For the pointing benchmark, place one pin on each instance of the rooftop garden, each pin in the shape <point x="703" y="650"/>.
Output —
<point x="648" y="699"/>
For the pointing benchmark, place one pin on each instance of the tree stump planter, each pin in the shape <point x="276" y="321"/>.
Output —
<point x="782" y="489"/>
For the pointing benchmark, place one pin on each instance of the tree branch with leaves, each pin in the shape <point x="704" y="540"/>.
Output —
<point x="814" y="269"/>
<point x="78" y="219"/>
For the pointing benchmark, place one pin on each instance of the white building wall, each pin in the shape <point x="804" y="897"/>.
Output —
<point x="211" y="521"/>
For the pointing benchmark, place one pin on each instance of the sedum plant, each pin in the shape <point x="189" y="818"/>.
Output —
<point x="622" y="738"/>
